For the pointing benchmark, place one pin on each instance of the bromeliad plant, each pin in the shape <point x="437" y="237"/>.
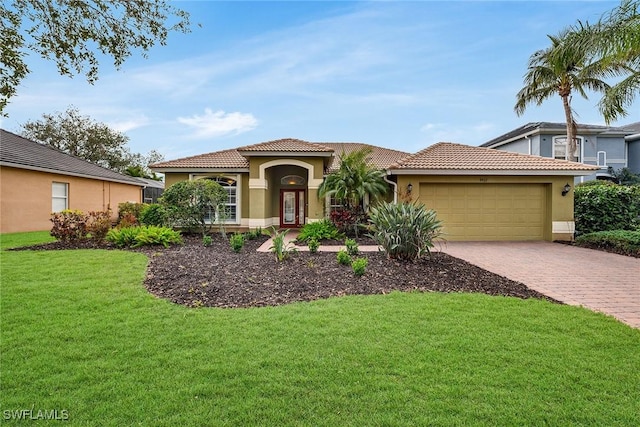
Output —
<point x="406" y="231"/>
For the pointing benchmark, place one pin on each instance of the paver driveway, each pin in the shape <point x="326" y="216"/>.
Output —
<point x="597" y="280"/>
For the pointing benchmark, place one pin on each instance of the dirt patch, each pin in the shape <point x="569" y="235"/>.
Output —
<point x="215" y="276"/>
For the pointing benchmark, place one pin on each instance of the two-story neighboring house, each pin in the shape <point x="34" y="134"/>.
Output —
<point x="603" y="146"/>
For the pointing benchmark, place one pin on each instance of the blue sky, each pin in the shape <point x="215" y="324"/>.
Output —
<point x="396" y="74"/>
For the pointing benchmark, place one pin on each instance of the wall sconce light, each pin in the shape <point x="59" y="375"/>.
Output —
<point x="409" y="188"/>
<point x="566" y="189"/>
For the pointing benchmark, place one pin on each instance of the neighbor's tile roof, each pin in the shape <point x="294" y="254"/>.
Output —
<point x="380" y="157"/>
<point x="451" y="156"/>
<point x="226" y="159"/>
<point x="285" y="145"/>
<point x="19" y="152"/>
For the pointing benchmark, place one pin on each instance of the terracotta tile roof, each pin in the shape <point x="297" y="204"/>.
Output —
<point x="380" y="157"/>
<point x="458" y="157"/>
<point x="22" y="153"/>
<point x="225" y="159"/>
<point x="285" y="145"/>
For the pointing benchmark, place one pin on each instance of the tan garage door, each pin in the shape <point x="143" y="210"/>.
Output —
<point x="488" y="211"/>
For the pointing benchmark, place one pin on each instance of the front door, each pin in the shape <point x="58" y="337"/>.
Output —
<point x="292" y="208"/>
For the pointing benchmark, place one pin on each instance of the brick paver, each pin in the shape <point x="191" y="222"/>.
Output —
<point x="597" y="280"/>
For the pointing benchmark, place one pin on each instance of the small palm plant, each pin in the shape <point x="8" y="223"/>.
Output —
<point x="405" y="231"/>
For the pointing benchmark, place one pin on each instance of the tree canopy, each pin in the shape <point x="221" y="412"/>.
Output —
<point x="72" y="33"/>
<point x="95" y="142"/>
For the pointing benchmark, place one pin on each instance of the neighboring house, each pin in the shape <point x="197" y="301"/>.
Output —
<point x="479" y="193"/>
<point x="36" y="180"/>
<point x="602" y="146"/>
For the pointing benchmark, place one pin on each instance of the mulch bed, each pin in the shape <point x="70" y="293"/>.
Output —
<point x="215" y="276"/>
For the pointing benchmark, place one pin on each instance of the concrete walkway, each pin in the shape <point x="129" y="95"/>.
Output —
<point x="597" y="280"/>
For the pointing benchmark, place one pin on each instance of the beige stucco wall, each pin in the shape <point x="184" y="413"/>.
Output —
<point x="26" y="197"/>
<point x="559" y="208"/>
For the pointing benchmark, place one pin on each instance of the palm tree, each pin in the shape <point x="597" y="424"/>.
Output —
<point x="563" y="68"/>
<point x="354" y="179"/>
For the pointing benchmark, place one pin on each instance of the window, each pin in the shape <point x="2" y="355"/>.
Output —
<point x="602" y="159"/>
<point x="231" y="206"/>
<point x="59" y="196"/>
<point x="561" y="150"/>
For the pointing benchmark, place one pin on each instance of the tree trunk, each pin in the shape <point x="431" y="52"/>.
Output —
<point x="571" y="130"/>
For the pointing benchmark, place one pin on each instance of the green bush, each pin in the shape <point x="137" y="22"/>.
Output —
<point x="352" y="247"/>
<point x="69" y="225"/>
<point x="237" y="242"/>
<point x="254" y="234"/>
<point x="153" y="215"/>
<point x="343" y="257"/>
<point x="319" y="230"/>
<point x="314" y="245"/>
<point x="146" y="235"/>
<point x="207" y="241"/>
<point x="359" y="266"/>
<point x="620" y="241"/>
<point x="405" y="231"/>
<point x="128" y="210"/>
<point x="99" y="224"/>
<point x="605" y="207"/>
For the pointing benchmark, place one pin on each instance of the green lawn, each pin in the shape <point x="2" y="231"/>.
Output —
<point x="79" y="333"/>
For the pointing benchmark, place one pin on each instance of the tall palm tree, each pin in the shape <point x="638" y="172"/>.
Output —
<point x="563" y="68"/>
<point x="354" y="179"/>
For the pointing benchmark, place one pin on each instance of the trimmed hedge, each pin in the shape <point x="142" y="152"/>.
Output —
<point x="619" y="241"/>
<point x="606" y="206"/>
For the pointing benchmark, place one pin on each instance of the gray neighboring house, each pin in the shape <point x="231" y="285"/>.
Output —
<point x="152" y="191"/>
<point x="603" y="146"/>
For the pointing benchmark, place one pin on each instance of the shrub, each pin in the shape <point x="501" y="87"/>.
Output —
<point x="130" y="211"/>
<point x="99" y="224"/>
<point x="207" y="241"/>
<point x="153" y="215"/>
<point x="349" y="220"/>
<point x="620" y="241"/>
<point x="319" y="230"/>
<point x="405" y="231"/>
<point x="352" y="247"/>
<point x="254" y="234"/>
<point x="359" y="266"/>
<point x="146" y="235"/>
<point x="69" y="225"/>
<point x="280" y="247"/>
<point x="343" y="257"/>
<point x="237" y="242"/>
<point x="314" y="245"/>
<point x="605" y="207"/>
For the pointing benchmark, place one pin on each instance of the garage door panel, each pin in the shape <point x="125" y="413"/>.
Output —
<point x="488" y="211"/>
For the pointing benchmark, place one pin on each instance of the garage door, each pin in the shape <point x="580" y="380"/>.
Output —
<point x="488" y="211"/>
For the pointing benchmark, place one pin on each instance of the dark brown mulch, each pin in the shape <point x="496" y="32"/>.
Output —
<point x="215" y="276"/>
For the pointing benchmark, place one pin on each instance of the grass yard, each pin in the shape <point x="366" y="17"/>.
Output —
<point x="80" y="334"/>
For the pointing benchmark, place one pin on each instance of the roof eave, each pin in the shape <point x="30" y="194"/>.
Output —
<point x="250" y="153"/>
<point x="61" y="172"/>
<point x="493" y="172"/>
<point x="198" y="170"/>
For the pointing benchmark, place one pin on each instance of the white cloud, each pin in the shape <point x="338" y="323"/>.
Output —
<point x="218" y="123"/>
<point x="129" y="124"/>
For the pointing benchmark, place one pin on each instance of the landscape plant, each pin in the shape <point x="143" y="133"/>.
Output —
<point x="319" y="230"/>
<point x="405" y="231"/>
<point x="314" y="245"/>
<point x="153" y="214"/>
<point x="146" y="235"/>
<point x="624" y="242"/>
<point x="352" y="247"/>
<point x="129" y="212"/>
<point x="99" y="224"/>
<point x="237" y="242"/>
<point x="69" y="225"/>
<point x="359" y="266"/>
<point x="207" y="241"/>
<point x="606" y="206"/>
<point x="280" y="247"/>
<point x="343" y="257"/>
<point x="192" y="204"/>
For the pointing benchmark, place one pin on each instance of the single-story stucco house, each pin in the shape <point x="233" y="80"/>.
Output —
<point x="478" y="193"/>
<point x="36" y="180"/>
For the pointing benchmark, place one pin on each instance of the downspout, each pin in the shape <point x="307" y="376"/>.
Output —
<point x="395" y="188"/>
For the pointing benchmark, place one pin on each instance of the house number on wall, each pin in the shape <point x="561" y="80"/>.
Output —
<point x="483" y="179"/>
